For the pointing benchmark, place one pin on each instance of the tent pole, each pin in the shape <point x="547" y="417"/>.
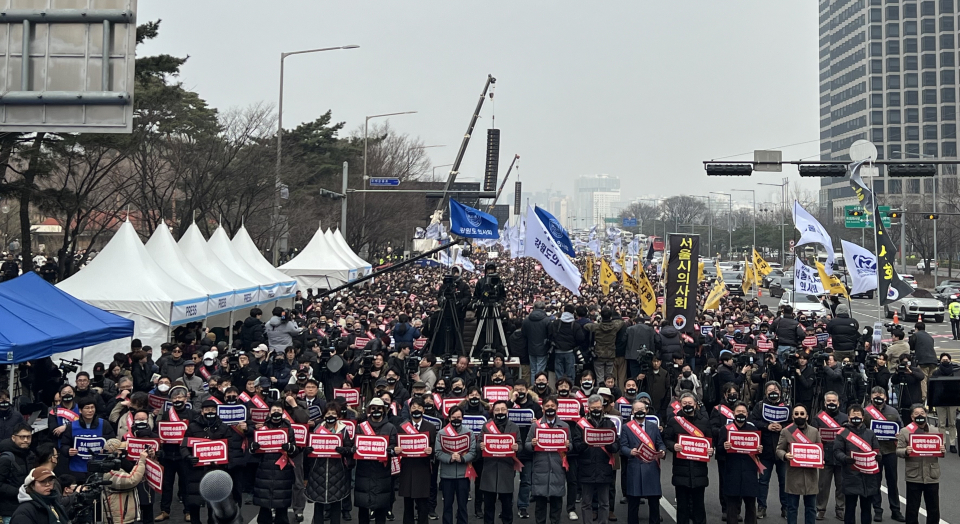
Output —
<point x="11" y="384"/>
<point x="230" y="329"/>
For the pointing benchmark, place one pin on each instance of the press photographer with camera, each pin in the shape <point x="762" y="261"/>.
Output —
<point x="120" y="498"/>
<point x="922" y="345"/>
<point x="907" y="380"/>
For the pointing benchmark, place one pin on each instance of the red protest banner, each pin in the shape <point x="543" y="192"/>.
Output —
<point x="154" y="475"/>
<point x="270" y="440"/>
<point x="352" y="396"/>
<point x="744" y="441"/>
<point x="455" y="444"/>
<point x="449" y="403"/>
<point x="136" y="445"/>
<point x="568" y="409"/>
<point x="259" y="415"/>
<point x="325" y="445"/>
<point x="413" y="446"/>
<point x="599" y="437"/>
<point x="495" y="393"/>
<point x="694" y="448"/>
<point x="208" y="451"/>
<point x="300" y="432"/>
<point x="171" y="432"/>
<point x="551" y="440"/>
<point x="865" y="462"/>
<point x="926" y="444"/>
<point x="806" y="455"/>
<point x="371" y="447"/>
<point x="499" y="445"/>
<point x="156" y="402"/>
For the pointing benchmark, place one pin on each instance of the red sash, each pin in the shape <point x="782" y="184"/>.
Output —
<point x="67" y="414"/>
<point x="756" y="461"/>
<point x="828" y="420"/>
<point x="875" y="413"/>
<point x="675" y="405"/>
<point x="437" y="401"/>
<point x="204" y="373"/>
<point x="491" y="427"/>
<point x="623" y="400"/>
<point x="470" y="473"/>
<point x="172" y="415"/>
<point x="563" y="454"/>
<point x="799" y="436"/>
<point x="644" y="438"/>
<point x="912" y="427"/>
<point x="855" y="439"/>
<point x="725" y="411"/>
<point x="688" y="427"/>
<point x="257" y="401"/>
<point x="581" y="397"/>
<point x="408" y="427"/>
<point x="584" y="425"/>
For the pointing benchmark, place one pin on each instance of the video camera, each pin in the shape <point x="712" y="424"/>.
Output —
<point x="745" y="359"/>
<point x="70" y="365"/>
<point x="491" y="289"/>
<point x="448" y="289"/>
<point x="645" y="358"/>
<point x="105" y="463"/>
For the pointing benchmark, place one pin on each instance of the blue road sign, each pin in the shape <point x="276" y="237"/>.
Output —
<point x="388" y="182"/>
<point x="629" y="222"/>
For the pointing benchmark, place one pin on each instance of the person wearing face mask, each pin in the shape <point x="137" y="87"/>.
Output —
<point x="474" y="406"/>
<point x="174" y="467"/>
<point x="374" y="485"/>
<point x="858" y="486"/>
<point x="541" y="385"/>
<point x="739" y="479"/>
<point x="587" y="386"/>
<point x="9" y="418"/>
<point x="205" y="425"/>
<point x="273" y="484"/>
<point x="947" y="415"/>
<point x="829" y="422"/>
<point x="595" y="463"/>
<point x="801" y="483"/>
<point x="921" y="473"/>
<point x="720" y="417"/>
<point x="548" y="479"/>
<point x="142" y="428"/>
<point x="690" y="477"/>
<point x="328" y="483"/>
<point x="413" y="470"/>
<point x="84" y="389"/>
<point x="193" y="383"/>
<point x="642" y="479"/>
<point x="769" y="437"/>
<point x="454" y="465"/>
<point x="523" y="399"/>
<point x="687" y="378"/>
<point x="878" y="409"/>
<point x="458" y="389"/>
<point x="295" y="412"/>
<point x="499" y="473"/>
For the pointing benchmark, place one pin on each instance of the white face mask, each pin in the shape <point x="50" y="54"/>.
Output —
<point x="163" y="388"/>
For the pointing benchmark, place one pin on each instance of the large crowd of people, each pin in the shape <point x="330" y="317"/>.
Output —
<point x="382" y="398"/>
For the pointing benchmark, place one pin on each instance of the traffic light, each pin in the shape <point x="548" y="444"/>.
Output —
<point x="326" y="193"/>
<point x="823" y="170"/>
<point x="931" y="216"/>
<point x="911" y="170"/>
<point x="855" y="212"/>
<point x="729" y="169"/>
<point x="895" y="214"/>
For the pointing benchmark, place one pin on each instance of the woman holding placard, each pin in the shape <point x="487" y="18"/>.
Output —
<point x="917" y="443"/>
<point x="549" y="440"/>
<point x="857" y="448"/>
<point x="329" y="480"/>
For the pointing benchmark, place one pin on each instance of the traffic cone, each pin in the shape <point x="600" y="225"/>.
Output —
<point x="919" y="318"/>
<point x="896" y="318"/>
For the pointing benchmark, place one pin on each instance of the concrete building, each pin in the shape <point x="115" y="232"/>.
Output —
<point x="595" y="197"/>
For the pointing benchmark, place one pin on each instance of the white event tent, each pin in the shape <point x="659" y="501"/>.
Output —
<point x="198" y="252"/>
<point x="340" y="244"/>
<point x="125" y="280"/>
<point x="165" y="252"/>
<point x="318" y="265"/>
<point x="244" y="247"/>
<point x="221" y="247"/>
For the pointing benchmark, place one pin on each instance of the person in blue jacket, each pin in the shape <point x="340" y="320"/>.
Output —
<point x="643" y="477"/>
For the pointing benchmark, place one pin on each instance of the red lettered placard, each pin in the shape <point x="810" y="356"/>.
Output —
<point x="865" y="462"/>
<point x="414" y="446"/>
<point x="156" y="402"/>
<point x="270" y="440"/>
<point x="744" y="441"/>
<point x="154" y="475"/>
<point x="136" y="445"/>
<point x="495" y="393"/>
<point x="449" y="403"/>
<point x="325" y="445"/>
<point x="371" y="447"/>
<point x="599" y="437"/>
<point x="208" y="451"/>
<point x="259" y="415"/>
<point x="694" y="448"/>
<point x="568" y="409"/>
<point x="499" y="445"/>
<point x="171" y="432"/>
<point x="455" y="444"/>
<point x="806" y="455"/>
<point x="351" y="427"/>
<point x="551" y="440"/>
<point x="351" y="395"/>
<point x="300" y="432"/>
<point x="926" y="444"/>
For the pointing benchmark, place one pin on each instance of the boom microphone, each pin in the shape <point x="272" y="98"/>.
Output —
<point x="216" y="487"/>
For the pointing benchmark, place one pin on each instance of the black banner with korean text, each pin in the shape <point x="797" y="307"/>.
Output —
<point x="681" y="288"/>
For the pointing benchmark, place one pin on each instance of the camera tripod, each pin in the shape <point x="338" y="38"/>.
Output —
<point x="448" y="328"/>
<point x="489" y="318"/>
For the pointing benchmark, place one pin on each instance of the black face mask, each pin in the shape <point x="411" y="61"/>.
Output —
<point x="474" y="402"/>
<point x="740" y="419"/>
<point x="550" y="413"/>
<point x="416" y="414"/>
<point x="276" y="417"/>
<point x="179" y="404"/>
<point x="773" y="397"/>
<point x="856" y="421"/>
<point x="5" y="405"/>
<point x="878" y="401"/>
<point x="343" y="413"/>
<point x="564" y="392"/>
<point x="921" y="420"/>
<point x="141" y="426"/>
<point x="498" y="381"/>
<point x="67" y="398"/>
<point x="500" y="417"/>
<point x="688" y="410"/>
<point x="330" y="419"/>
<point x="686" y="374"/>
<point x="456" y="423"/>
<point x="732" y="399"/>
<point x="596" y="413"/>
<point x="301" y="378"/>
<point x="631" y="392"/>
<point x="231" y="400"/>
<point x="391" y="381"/>
<point x="639" y="417"/>
<point x="439" y="389"/>
<point x="376" y="414"/>
<point x="211" y="417"/>
<point x="521" y="397"/>
<point x="429" y="410"/>
<point x="541" y="386"/>
<point x="832" y="408"/>
<point x="800" y="421"/>
<point x="458" y="391"/>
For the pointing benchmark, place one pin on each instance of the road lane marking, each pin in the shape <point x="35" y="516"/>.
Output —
<point x="904" y="502"/>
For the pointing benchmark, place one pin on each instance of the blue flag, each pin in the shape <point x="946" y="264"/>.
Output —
<point x="471" y="223"/>
<point x="556" y="231"/>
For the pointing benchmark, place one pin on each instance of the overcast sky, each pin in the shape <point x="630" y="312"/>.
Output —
<point x="639" y="89"/>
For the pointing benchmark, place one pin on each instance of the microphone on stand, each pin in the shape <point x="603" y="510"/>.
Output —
<point x="216" y="488"/>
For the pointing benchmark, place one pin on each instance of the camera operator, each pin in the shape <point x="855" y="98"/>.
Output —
<point x="120" y="496"/>
<point x="727" y="371"/>
<point x="833" y="378"/>
<point x="947" y="416"/>
<point x="878" y="371"/>
<point x="921" y="343"/>
<point x="404" y="333"/>
<point x="788" y="332"/>
<point x="909" y="377"/>
<point x="804" y="378"/>
<point x="39" y="500"/>
<point x="640" y="337"/>
<point x="845" y="332"/>
<point x="897" y="348"/>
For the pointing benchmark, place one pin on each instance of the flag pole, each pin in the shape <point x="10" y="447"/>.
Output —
<point x="876" y="245"/>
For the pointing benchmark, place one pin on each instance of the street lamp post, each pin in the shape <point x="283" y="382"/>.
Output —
<point x="783" y="213"/>
<point x="276" y="205"/>
<point x="433" y="177"/>
<point x="729" y="218"/>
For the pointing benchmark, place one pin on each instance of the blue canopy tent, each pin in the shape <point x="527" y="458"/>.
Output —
<point x="40" y="320"/>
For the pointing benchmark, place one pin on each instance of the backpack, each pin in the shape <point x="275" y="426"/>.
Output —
<point x="711" y="390"/>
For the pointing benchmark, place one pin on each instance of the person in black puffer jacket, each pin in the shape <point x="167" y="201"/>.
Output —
<point x="273" y="486"/>
<point x="670" y="343"/>
<point x="690" y="477"/>
<point x="534" y="329"/>
<point x="16" y="461"/>
<point x="206" y="425"/>
<point x="788" y="332"/>
<point x="329" y="480"/>
<point x="845" y="332"/>
<point x="374" y="485"/>
<point x="252" y="333"/>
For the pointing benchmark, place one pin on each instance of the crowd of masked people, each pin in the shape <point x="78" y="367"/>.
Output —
<point x="367" y="363"/>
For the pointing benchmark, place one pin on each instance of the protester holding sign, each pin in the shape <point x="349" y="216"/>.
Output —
<point x="922" y="469"/>
<point x="328" y="483"/>
<point x="142" y="430"/>
<point x="416" y="467"/>
<point x="374" y="484"/>
<point x="643" y="447"/>
<point x="85" y="437"/>
<point x="770" y="415"/>
<point x="830" y="422"/>
<point x="857" y="448"/>
<point x="500" y="466"/>
<point x="549" y="441"/>
<point x="171" y="428"/>
<point x="802" y="480"/>
<point x="206" y="425"/>
<point x="721" y="417"/>
<point x="739" y="465"/>
<point x="120" y="495"/>
<point x="528" y="401"/>
<point x="273" y="484"/>
<point x="883" y="420"/>
<point x="455" y="448"/>
<point x="596" y="443"/>
<point x="688" y="436"/>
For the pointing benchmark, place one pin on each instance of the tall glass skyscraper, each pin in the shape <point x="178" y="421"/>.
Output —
<point x="888" y="74"/>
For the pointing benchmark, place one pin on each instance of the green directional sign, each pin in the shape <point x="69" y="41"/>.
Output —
<point x="861" y="221"/>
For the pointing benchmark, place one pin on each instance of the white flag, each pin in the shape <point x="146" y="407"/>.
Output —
<point x="862" y="266"/>
<point x="806" y="281"/>
<point x="540" y="245"/>
<point x="466" y="264"/>
<point x="444" y="259"/>
<point x="812" y="232"/>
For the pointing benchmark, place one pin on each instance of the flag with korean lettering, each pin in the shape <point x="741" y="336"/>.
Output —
<point x="468" y="222"/>
<point x="648" y="297"/>
<point x="557" y="231"/>
<point x="539" y="244"/>
<point x="681" y="288"/>
<point x="607" y="276"/>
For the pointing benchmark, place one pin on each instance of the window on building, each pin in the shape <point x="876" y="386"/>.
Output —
<point x="929" y="78"/>
<point x="930" y="149"/>
<point x="876" y="66"/>
<point x="876" y="100"/>
<point x="946" y="23"/>
<point x="876" y="32"/>
<point x="913" y="151"/>
<point x="878" y="186"/>
<point x="948" y="95"/>
<point x="876" y="49"/>
<point x="947" y="59"/>
<point x="910" y="10"/>
<point x="913" y="133"/>
<point x="948" y="113"/>
<point x="911" y="80"/>
<point x="946" y="6"/>
<point x="876" y="83"/>
<point x="913" y="186"/>
<point x="895" y="185"/>
<point x="876" y="135"/>
<point x="947" y="42"/>
<point x="876" y="15"/>
<point x="930" y="132"/>
<point x="894" y="134"/>
<point x="893" y="81"/>
<point x="893" y="65"/>
<point x="910" y="63"/>
<point x="928" y="26"/>
<point x="928" y="185"/>
<point x="911" y="98"/>
<point x="929" y="114"/>
<point x="893" y="47"/>
<point x="893" y="30"/>
<point x="893" y="12"/>
<point x="929" y="96"/>
<point x="948" y="77"/>
<point x="928" y="43"/>
<point x="928" y="8"/>
<point x="929" y="61"/>
<point x="948" y="131"/>
<point x="893" y="116"/>
<point x="950" y="150"/>
<point x="910" y="28"/>
<point x="911" y="115"/>
<point x="876" y="118"/>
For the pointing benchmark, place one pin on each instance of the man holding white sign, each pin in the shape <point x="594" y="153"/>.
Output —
<point x="802" y="476"/>
<point x="500" y="466"/>
<point x="916" y="443"/>
<point x="596" y="444"/>
<point x="686" y="435"/>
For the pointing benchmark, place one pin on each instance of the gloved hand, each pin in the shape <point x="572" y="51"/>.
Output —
<point x="289" y="447"/>
<point x="344" y="451"/>
<point x="850" y="460"/>
<point x="254" y="446"/>
<point x="307" y="450"/>
<point x="193" y="460"/>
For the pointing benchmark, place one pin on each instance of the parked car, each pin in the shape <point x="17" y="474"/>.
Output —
<point x="911" y="307"/>
<point x="910" y="279"/>
<point x="946" y="294"/>
<point x="779" y="285"/>
<point x="922" y="265"/>
<point x="773" y="275"/>
<point x="734" y="282"/>
<point x="807" y="304"/>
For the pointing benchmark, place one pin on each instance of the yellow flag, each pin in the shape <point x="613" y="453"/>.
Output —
<point x="713" y="299"/>
<point x="588" y="274"/>
<point x="622" y="260"/>
<point x="630" y="283"/>
<point x="760" y="264"/>
<point x="648" y="298"/>
<point x="720" y="274"/>
<point x="607" y="276"/>
<point x="831" y="284"/>
<point x="700" y="272"/>
<point x="747" y="279"/>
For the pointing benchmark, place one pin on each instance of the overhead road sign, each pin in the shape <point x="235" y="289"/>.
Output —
<point x="855" y="218"/>
<point x="384" y="182"/>
<point x="630" y="222"/>
<point x="768" y="160"/>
